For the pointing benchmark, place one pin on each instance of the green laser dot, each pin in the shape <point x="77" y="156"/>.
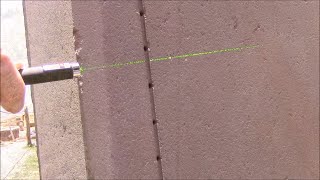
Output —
<point x="82" y="69"/>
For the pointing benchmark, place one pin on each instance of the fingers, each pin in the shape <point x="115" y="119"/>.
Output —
<point x="4" y="60"/>
<point x="12" y="86"/>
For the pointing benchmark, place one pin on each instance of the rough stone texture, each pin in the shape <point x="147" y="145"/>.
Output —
<point x="57" y="107"/>
<point x="115" y="102"/>
<point x="252" y="114"/>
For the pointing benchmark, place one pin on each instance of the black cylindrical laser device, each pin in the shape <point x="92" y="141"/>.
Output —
<point x="48" y="73"/>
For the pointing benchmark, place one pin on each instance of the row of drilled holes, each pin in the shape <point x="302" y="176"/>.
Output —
<point x="145" y="48"/>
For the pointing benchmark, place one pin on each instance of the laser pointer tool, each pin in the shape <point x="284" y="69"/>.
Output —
<point x="49" y="73"/>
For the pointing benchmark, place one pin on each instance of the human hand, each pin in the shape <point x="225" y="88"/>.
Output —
<point x="12" y="86"/>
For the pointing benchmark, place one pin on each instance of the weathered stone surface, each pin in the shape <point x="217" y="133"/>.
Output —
<point x="57" y="107"/>
<point x="252" y="114"/>
<point x="116" y="112"/>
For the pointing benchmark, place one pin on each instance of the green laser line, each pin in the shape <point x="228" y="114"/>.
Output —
<point x="117" y="65"/>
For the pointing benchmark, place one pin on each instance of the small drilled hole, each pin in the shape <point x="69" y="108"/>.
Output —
<point x="145" y="48"/>
<point x="141" y="13"/>
<point x="75" y="31"/>
<point x="158" y="158"/>
<point x="154" y="122"/>
<point x="150" y="85"/>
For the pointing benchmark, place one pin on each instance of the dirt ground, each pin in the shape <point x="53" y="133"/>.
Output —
<point x="13" y="155"/>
